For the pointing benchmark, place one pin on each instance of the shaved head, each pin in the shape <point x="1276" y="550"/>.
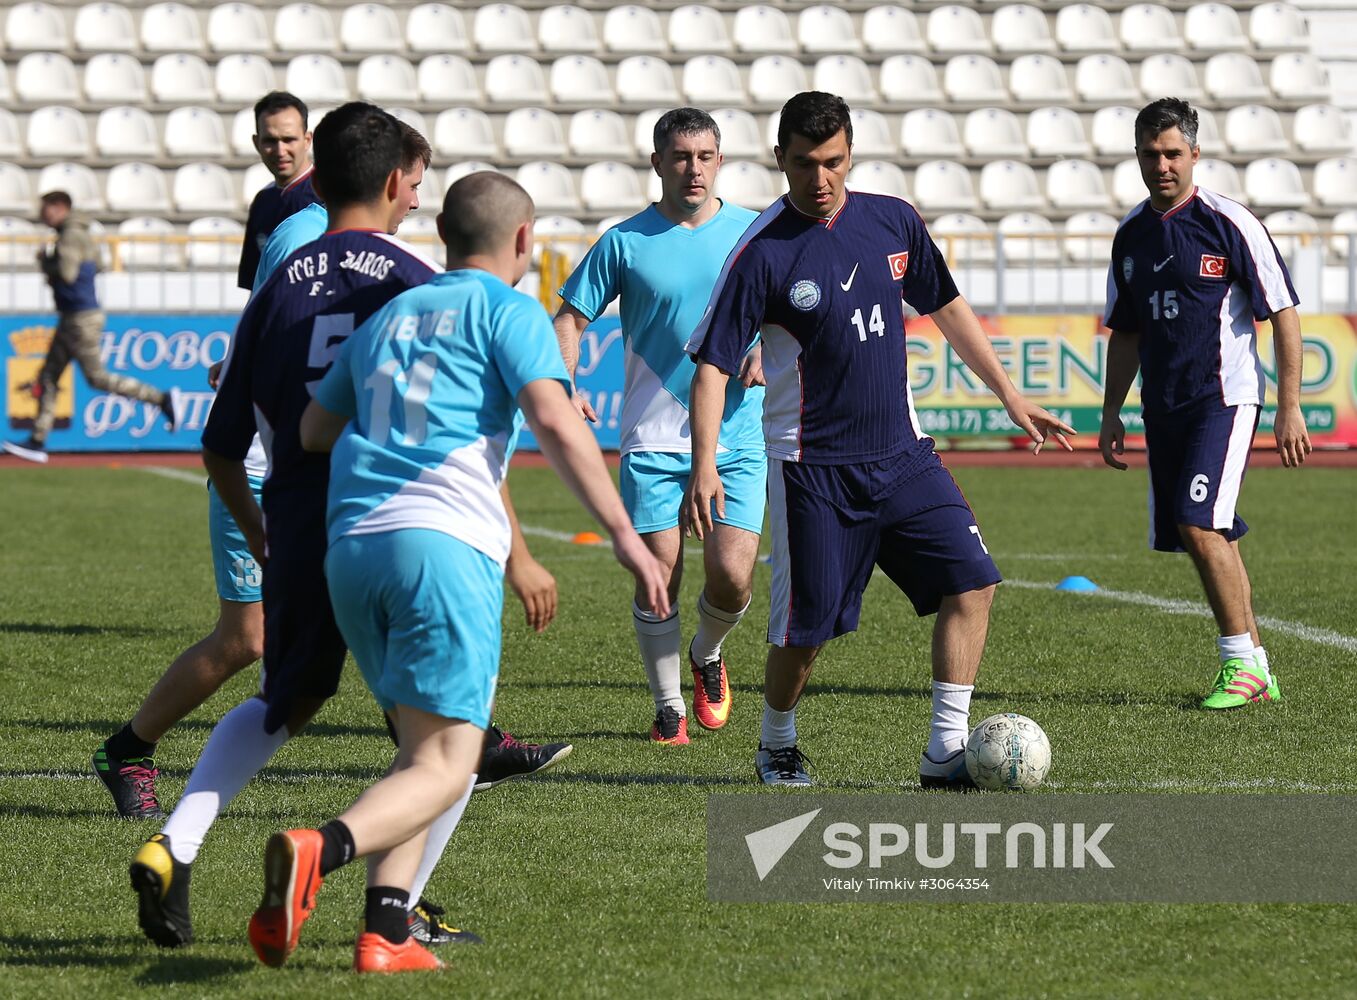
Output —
<point x="482" y="211"/>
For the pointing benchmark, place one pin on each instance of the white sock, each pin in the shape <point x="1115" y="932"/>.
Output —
<point x="659" y="641"/>
<point x="713" y="625"/>
<point x="779" y="728"/>
<point x="951" y="719"/>
<point x="440" y="831"/>
<point x="1260" y="658"/>
<point x="1235" y="647"/>
<point x="236" y="751"/>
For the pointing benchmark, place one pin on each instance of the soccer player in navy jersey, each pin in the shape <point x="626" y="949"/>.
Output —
<point x="853" y="482"/>
<point x="1190" y="273"/>
<point x="284" y="146"/>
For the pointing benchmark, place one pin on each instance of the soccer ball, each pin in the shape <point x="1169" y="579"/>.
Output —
<point x="1008" y="751"/>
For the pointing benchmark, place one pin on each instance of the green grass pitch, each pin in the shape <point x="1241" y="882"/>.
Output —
<point x="590" y="880"/>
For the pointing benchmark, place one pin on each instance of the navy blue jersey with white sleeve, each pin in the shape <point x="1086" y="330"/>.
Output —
<point x="826" y="296"/>
<point x="270" y="207"/>
<point x="1191" y="281"/>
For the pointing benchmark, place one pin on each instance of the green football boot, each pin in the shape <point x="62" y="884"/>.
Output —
<point x="1240" y="682"/>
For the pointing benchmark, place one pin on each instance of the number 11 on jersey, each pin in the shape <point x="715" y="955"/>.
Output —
<point x="418" y="384"/>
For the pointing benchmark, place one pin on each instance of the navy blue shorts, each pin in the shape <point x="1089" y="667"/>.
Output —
<point x="1197" y="462"/>
<point x="831" y="524"/>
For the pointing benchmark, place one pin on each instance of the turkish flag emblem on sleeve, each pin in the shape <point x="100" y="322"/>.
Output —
<point x="899" y="263"/>
<point x="1214" y="267"/>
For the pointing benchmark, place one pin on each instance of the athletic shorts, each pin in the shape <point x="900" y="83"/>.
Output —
<point x="238" y="575"/>
<point x="830" y="524"/>
<point x="1197" y="462"/>
<point x="653" y="484"/>
<point x="421" y="612"/>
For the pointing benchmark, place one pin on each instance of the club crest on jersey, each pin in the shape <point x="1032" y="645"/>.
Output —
<point x="899" y="263"/>
<point x="1128" y="268"/>
<point x="1214" y="267"/>
<point x="805" y="295"/>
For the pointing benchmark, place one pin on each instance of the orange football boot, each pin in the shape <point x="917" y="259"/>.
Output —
<point x="291" y="880"/>
<point x="711" y="692"/>
<point x="374" y="953"/>
<point x="669" y="728"/>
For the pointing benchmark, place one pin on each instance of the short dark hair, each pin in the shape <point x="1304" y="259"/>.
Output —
<point x="1164" y="114"/>
<point x="816" y="115"/>
<point x="481" y="211"/>
<point x="414" y="147"/>
<point x="56" y="198"/>
<point x="278" y="100"/>
<point x="357" y="145"/>
<point x="684" y="121"/>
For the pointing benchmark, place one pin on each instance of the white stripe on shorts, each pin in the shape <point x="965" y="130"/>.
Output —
<point x="1236" y="461"/>
<point x="779" y="612"/>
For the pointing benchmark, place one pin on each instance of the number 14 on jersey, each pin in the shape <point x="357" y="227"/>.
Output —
<point x="875" y="323"/>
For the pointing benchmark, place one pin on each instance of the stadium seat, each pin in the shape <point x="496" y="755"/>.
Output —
<point x="1148" y="27"/>
<point x="567" y="28"/>
<point x="847" y="76"/>
<point x="1101" y="79"/>
<point x="35" y="27"/>
<point x="713" y="80"/>
<point x="909" y="79"/>
<point x="387" y="79"/>
<point x="15" y="195"/>
<point x="551" y="186"/>
<point x="317" y="78"/>
<point x="215" y="243"/>
<point x="6" y="91"/>
<point x="1208" y="134"/>
<point x="605" y="224"/>
<point x="1234" y="77"/>
<point x="126" y="133"/>
<point x="1278" y="26"/>
<point x="19" y="239"/>
<point x="564" y="235"/>
<point x="1128" y="189"/>
<point x="991" y="132"/>
<point x="740" y="137"/>
<point x="643" y="131"/>
<point x="878" y="177"/>
<point x="1088" y="238"/>
<point x="1213" y="27"/>
<point x="170" y="27"/>
<point x="1322" y="128"/>
<point x="254" y="180"/>
<point x="370" y="27"/>
<point x="1343" y="242"/>
<point x="502" y="27"/>
<point x="242" y="132"/>
<point x="1166" y="75"/>
<point x="824" y="28"/>
<point x="610" y="187"/>
<point x="632" y="28"/>
<point x="760" y="28"/>
<point x="1299" y="76"/>
<point x="457" y="171"/>
<point x="1255" y="130"/>
<point x="929" y="134"/>
<point x="872" y="135"/>
<point x="1074" y="185"/>
<point x="533" y="134"/>
<point x="11" y="145"/>
<point x="195" y="133"/>
<point x="75" y="179"/>
<point x="889" y="28"/>
<point x="145" y="247"/>
<point x="964" y="239"/>
<point x="436" y="27"/>
<point x="104" y="27"/>
<point x="697" y="28"/>
<point x="974" y="80"/>
<point x="954" y="29"/>
<point x="602" y="134"/>
<point x="1085" y="27"/>
<point x="1020" y="27"/>
<point x="421" y="231"/>
<point x="1335" y="182"/>
<point x="204" y="189"/>
<point x="1274" y="183"/>
<point x="115" y="78"/>
<point x="57" y="132"/>
<point x="646" y="80"/>
<point x="46" y="77"/>
<point x="1219" y="176"/>
<point x="1057" y="131"/>
<point x="944" y="186"/>
<point x="517" y="79"/>
<point x="770" y="130"/>
<point x="1040" y="79"/>
<point x="1114" y="131"/>
<point x="304" y="27"/>
<point x="243" y="77"/>
<point x="237" y="27"/>
<point x="1009" y="184"/>
<point x="180" y="78"/>
<point x="775" y="79"/>
<point x="411" y="117"/>
<point x="448" y="79"/>
<point x="749" y="185"/>
<point x="1290" y="230"/>
<point x="1028" y="238"/>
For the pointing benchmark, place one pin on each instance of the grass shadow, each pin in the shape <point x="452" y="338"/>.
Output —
<point x="100" y="951"/>
<point x="43" y="628"/>
<point x="108" y="726"/>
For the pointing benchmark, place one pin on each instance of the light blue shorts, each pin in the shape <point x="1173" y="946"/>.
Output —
<point x="653" y="484"/>
<point x="238" y="575"/>
<point x="420" y="612"/>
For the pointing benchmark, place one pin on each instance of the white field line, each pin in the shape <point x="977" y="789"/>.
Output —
<point x="182" y="475"/>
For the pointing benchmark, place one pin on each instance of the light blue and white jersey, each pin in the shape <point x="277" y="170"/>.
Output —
<point x="430" y="383"/>
<point x="664" y="274"/>
<point x="298" y="229"/>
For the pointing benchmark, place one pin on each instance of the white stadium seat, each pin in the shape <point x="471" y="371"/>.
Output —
<point x="974" y="80"/>
<point x="740" y="136"/>
<point x="43" y="77"/>
<point x="16" y="196"/>
<point x="1166" y="75"/>
<point x="551" y="186"/>
<point x="1007" y="184"/>
<point x="115" y="78"/>
<point x="990" y="132"/>
<point x="1148" y="27"/>
<point x="930" y="134"/>
<point x="1088" y="238"/>
<point x="1020" y="27"/>
<point x="215" y="244"/>
<point x="760" y="28"/>
<point x="770" y="129"/>
<point x="1219" y="176"/>
<point x="712" y="80"/>
<point x="204" y="189"/>
<point x="1028" y="238"/>
<point x="1233" y="76"/>
<point x="1213" y="27"/>
<point x="878" y="177"/>
<point x="872" y="135"/>
<point x="448" y="79"/>
<point x="6" y="91"/>
<point x="370" y="27"/>
<point x="58" y="132"/>
<point x="1322" y="128"/>
<point x="182" y="78"/>
<point x="646" y="80"/>
<point x="170" y="27"/>
<point x="609" y="187"/>
<point x="964" y="239"/>
<point x="632" y="28"/>
<point x="1343" y="242"/>
<point x="643" y="131"/>
<point x="534" y="134"/>
<point x="459" y="132"/>
<point x="387" y="79"/>
<point x="1274" y="183"/>
<point x="304" y="27"/>
<point x="126" y="133"/>
<point x="1076" y="185"/>
<point x="1057" y="131"/>
<point x="956" y="29"/>
<point x="237" y="27"/>
<point x="146" y="247"/>
<point x="1101" y="79"/>
<point x="1290" y="230"/>
<point x="317" y="78"/>
<point x="411" y="117"/>
<point x="35" y="27"/>
<point x="242" y="132"/>
<point x="1128" y="189"/>
<point x="775" y="79"/>
<point x="502" y="27"/>
<point x="602" y="134"/>
<point x="564" y="235"/>
<point x="1085" y="27"/>
<point x="1255" y="130"/>
<point x="254" y="180"/>
<point x="847" y="76"/>
<point x="1299" y="76"/>
<point x="567" y="28"/>
<point x="824" y="28"/>
<point x="11" y="146"/>
<point x="75" y="179"/>
<point x="944" y="186"/>
<point x="516" y="79"/>
<point x="19" y="239"/>
<point x="194" y="133"/>
<point x="1114" y="131"/>
<point x="436" y="27"/>
<point x="1208" y="134"/>
<point x="749" y="185"/>
<point x="457" y="171"/>
<point x="910" y="79"/>
<point x="1039" y="78"/>
<point x="888" y="28"/>
<point x="1335" y="182"/>
<point x="605" y="224"/>
<point x="697" y="28"/>
<point x="104" y="27"/>
<point x="244" y="77"/>
<point x="1278" y="26"/>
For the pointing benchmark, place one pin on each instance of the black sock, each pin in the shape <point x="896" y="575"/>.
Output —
<point x="127" y="745"/>
<point x="336" y="848"/>
<point x="387" y="913"/>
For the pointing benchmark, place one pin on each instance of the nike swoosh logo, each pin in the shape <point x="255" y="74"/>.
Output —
<point x="845" y="285"/>
<point x="1162" y="264"/>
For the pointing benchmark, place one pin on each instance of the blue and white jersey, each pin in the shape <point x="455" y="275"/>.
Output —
<point x="1191" y="281"/>
<point x="293" y="233"/>
<point x="825" y="294"/>
<point x="430" y="384"/>
<point x="663" y="273"/>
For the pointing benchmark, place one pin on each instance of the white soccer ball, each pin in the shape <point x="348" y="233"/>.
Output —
<point x="1008" y="751"/>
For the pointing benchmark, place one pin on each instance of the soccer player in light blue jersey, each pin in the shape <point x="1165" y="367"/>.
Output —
<point x="421" y="410"/>
<point x="662" y="264"/>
